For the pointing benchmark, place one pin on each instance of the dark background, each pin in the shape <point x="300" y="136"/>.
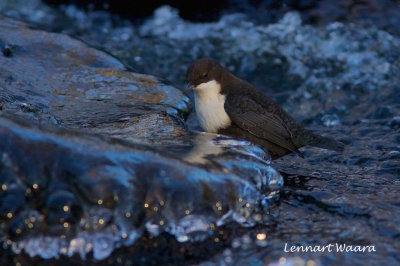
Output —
<point x="384" y="14"/>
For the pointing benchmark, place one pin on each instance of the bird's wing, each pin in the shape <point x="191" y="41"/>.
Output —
<point x="252" y="117"/>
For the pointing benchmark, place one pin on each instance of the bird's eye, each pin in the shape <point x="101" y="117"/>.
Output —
<point x="204" y="75"/>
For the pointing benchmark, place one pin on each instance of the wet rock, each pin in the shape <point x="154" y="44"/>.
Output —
<point x="54" y="79"/>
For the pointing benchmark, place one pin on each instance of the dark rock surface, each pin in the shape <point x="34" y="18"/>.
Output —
<point x="54" y="79"/>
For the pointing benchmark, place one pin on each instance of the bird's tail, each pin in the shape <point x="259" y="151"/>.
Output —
<point x="324" y="142"/>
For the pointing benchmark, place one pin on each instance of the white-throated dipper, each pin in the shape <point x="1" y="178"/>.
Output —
<point x="230" y="106"/>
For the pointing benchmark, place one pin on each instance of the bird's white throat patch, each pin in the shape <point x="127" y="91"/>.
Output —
<point x="209" y="104"/>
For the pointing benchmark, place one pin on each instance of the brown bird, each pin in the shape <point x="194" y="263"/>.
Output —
<point x="230" y="106"/>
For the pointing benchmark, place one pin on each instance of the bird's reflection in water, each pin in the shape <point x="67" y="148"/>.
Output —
<point x="209" y="148"/>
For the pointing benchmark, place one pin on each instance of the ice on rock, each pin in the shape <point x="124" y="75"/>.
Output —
<point x="113" y="194"/>
<point x="103" y="245"/>
<point x="274" y="180"/>
<point x="78" y="245"/>
<point x="45" y="247"/>
<point x="191" y="227"/>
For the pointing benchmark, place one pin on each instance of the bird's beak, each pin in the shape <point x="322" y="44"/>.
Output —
<point x="188" y="88"/>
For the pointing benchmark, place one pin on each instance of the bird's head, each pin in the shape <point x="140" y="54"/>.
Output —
<point x="204" y="74"/>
